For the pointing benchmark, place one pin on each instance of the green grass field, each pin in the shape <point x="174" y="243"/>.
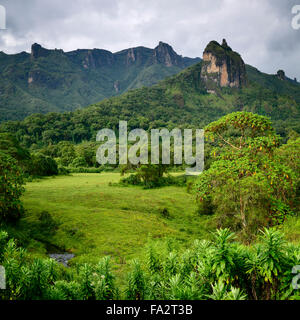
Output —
<point x="93" y="216"/>
<point x="96" y="218"/>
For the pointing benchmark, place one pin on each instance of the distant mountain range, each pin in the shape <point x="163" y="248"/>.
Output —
<point x="53" y="80"/>
<point x="219" y="84"/>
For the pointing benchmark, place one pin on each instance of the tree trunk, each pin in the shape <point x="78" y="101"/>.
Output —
<point x="242" y="210"/>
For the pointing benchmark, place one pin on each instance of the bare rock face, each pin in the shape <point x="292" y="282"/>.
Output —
<point x="222" y="67"/>
<point x="117" y="86"/>
<point x="165" y="54"/>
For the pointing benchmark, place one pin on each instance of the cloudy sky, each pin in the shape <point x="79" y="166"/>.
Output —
<point x="260" y="30"/>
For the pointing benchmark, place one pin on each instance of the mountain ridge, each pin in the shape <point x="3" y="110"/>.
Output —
<point x="181" y="101"/>
<point x="49" y="80"/>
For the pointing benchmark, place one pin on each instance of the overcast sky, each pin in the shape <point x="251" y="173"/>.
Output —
<point x="260" y="30"/>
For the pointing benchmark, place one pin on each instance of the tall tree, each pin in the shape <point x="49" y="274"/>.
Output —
<point x="246" y="185"/>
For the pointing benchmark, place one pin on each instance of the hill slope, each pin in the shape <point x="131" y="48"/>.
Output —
<point x="54" y="80"/>
<point x="182" y="100"/>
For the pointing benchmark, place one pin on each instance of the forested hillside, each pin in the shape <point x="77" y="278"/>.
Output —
<point x="54" y="80"/>
<point x="181" y="101"/>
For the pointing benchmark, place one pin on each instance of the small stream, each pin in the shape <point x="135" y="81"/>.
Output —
<point x="62" y="257"/>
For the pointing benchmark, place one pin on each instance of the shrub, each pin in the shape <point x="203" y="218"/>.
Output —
<point x="79" y="162"/>
<point x="84" y="170"/>
<point x="42" y="165"/>
<point x="132" y="179"/>
<point x="11" y="189"/>
<point x="63" y="170"/>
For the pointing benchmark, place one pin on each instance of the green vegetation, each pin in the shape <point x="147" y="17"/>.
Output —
<point x="96" y="216"/>
<point x="248" y="186"/>
<point x="148" y="220"/>
<point x="11" y="189"/>
<point x="220" y="269"/>
<point x="57" y="81"/>
<point x="180" y="101"/>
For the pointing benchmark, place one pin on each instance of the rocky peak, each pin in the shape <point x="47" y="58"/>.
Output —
<point x="281" y="75"/>
<point x="225" y="45"/>
<point x="222" y="67"/>
<point x="38" y="51"/>
<point x="165" y="54"/>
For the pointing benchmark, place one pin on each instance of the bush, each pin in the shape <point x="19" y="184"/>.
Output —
<point x="155" y="182"/>
<point x="79" y="162"/>
<point x="84" y="170"/>
<point x="42" y="165"/>
<point x="11" y="189"/>
<point x="63" y="170"/>
<point x="132" y="179"/>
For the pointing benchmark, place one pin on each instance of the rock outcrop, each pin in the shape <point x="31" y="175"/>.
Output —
<point x="165" y="54"/>
<point x="281" y="75"/>
<point x="222" y="67"/>
<point x="38" y="51"/>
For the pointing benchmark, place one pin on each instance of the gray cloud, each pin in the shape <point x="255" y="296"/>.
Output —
<point x="259" y="29"/>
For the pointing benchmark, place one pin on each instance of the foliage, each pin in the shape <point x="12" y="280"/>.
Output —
<point x="220" y="269"/>
<point x="179" y="101"/>
<point x="246" y="186"/>
<point x="11" y="189"/>
<point x="30" y="85"/>
<point x="42" y="166"/>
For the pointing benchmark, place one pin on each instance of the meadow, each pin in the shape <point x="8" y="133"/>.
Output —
<point x="93" y="217"/>
<point x="151" y="237"/>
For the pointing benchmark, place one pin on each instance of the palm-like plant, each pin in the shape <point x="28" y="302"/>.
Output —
<point x="272" y="259"/>
<point x="136" y="282"/>
<point x="223" y="255"/>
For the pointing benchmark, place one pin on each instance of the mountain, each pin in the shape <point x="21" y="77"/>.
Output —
<point x="222" y="67"/>
<point x="184" y="100"/>
<point x="54" y="80"/>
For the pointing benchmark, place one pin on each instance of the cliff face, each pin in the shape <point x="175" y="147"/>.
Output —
<point x="222" y="67"/>
<point x="165" y="54"/>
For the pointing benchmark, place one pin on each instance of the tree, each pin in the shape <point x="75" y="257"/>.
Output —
<point x="87" y="150"/>
<point x="11" y="189"/>
<point x="246" y="185"/>
<point x="42" y="165"/>
<point x="10" y="145"/>
<point x="66" y="152"/>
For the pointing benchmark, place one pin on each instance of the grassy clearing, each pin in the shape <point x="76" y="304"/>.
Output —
<point x="96" y="219"/>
